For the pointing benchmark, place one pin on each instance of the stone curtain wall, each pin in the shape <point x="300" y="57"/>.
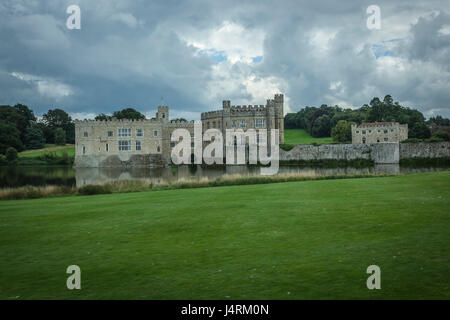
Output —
<point x="379" y="152"/>
<point x="424" y="150"/>
<point x="327" y="151"/>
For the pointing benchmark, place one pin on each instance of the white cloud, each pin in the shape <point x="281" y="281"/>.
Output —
<point x="126" y="18"/>
<point x="47" y="87"/>
<point x="238" y="43"/>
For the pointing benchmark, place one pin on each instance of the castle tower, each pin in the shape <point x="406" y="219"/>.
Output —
<point x="279" y="115"/>
<point x="163" y="114"/>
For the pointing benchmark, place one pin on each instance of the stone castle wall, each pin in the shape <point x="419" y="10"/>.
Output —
<point x="424" y="150"/>
<point x="380" y="153"/>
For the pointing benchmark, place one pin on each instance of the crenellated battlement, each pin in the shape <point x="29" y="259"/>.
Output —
<point x="181" y="124"/>
<point x="114" y="121"/>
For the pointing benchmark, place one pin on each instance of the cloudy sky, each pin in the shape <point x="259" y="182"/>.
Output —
<point x="193" y="54"/>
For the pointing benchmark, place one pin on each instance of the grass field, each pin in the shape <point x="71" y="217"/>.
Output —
<point x="300" y="136"/>
<point x="292" y="240"/>
<point x="58" y="150"/>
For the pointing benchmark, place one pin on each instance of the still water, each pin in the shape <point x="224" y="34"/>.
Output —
<point x="40" y="176"/>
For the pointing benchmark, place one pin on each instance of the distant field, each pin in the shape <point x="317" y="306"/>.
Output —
<point x="293" y="240"/>
<point x="69" y="148"/>
<point x="300" y="136"/>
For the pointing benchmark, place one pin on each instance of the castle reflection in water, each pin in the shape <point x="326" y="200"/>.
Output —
<point x="85" y="176"/>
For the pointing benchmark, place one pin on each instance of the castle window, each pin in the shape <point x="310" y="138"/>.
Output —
<point x="107" y="147"/>
<point x="192" y="144"/>
<point x="85" y="134"/>
<point x="357" y="131"/>
<point x="242" y="123"/>
<point x="385" y="131"/>
<point x="84" y="150"/>
<point x="385" y="139"/>
<point x="207" y="125"/>
<point x="214" y="124"/>
<point x="124" y="145"/>
<point x="259" y="123"/>
<point x="364" y="132"/>
<point x="172" y="144"/>
<point x="139" y="133"/>
<point x="163" y="115"/>
<point x="159" y="148"/>
<point x="364" y="140"/>
<point x="124" y="132"/>
<point x="155" y="133"/>
<point x="378" y="140"/>
<point x="110" y="133"/>
<point x="233" y="124"/>
<point x="138" y="145"/>
<point x="192" y="135"/>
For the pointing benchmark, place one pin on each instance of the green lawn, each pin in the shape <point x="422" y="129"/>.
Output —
<point x="300" y="136"/>
<point x="291" y="240"/>
<point x="69" y="148"/>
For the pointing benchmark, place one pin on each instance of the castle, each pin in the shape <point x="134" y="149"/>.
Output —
<point x="130" y="143"/>
<point x="379" y="132"/>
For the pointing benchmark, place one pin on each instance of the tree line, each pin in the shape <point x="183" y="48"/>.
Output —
<point x="21" y="130"/>
<point x="326" y="121"/>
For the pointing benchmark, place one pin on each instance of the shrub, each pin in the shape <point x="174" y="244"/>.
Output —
<point x="435" y="139"/>
<point x="3" y="160"/>
<point x="445" y="136"/>
<point x="60" y="137"/>
<point x="412" y="140"/>
<point x="94" y="189"/>
<point x="65" y="158"/>
<point x="11" y="154"/>
<point x="287" y="147"/>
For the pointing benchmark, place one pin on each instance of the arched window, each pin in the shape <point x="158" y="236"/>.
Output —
<point x="364" y="140"/>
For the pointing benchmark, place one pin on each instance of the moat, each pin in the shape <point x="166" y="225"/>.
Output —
<point x="67" y="176"/>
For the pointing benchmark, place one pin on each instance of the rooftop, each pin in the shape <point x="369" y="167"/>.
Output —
<point x="376" y="124"/>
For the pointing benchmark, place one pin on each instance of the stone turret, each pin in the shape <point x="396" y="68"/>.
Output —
<point x="163" y="114"/>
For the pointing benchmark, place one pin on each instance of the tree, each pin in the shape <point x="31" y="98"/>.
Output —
<point x="321" y="127"/>
<point x="128" y="113"/>
<point x="179" y="120"/>
<point x="34" y="137"/>
<point x="444" y="135"/>
<point x="13" y="116"/>
<point x="58" y="118"/>
<point x="342" y="132"/>
<point x="11" y="154"/>
<point x="419" y="131"/>
<point x="440" y="121"/>
<point x="102" y="117"/>
<point x="9" y="137"/>
<point x="60" y="137"/>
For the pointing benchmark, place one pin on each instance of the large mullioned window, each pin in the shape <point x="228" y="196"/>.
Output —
<point x="124" y="132"/>
<point x="259" y="123"/>
<point x="124" y="145"/>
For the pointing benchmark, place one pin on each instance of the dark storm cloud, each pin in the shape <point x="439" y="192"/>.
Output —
<point x="195" y="53"/>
